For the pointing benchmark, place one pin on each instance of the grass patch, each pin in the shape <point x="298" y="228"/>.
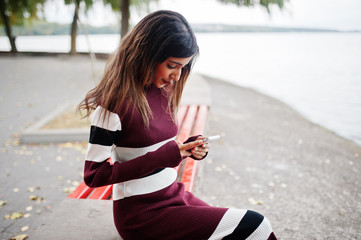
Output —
<point x="68" y="119"/>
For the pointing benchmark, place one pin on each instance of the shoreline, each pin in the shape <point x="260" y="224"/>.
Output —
<point x="103" y="56"/>
<point x="285" y="103"/>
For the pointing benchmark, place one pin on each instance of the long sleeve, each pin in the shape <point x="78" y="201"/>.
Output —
<point x="103" y="173"/>
<point x="99" y="172"/>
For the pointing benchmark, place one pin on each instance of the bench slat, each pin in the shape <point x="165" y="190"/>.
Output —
<point x="187" y="123"/>
<point x="181" y="113"/>
<point x="102" y="193"/>
<point x="186" y="117"/>
<point x="82" y="191"/>
<point x="190" y="168"/>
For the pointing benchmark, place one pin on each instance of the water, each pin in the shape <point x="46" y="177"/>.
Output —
<point x="318" y="74"/>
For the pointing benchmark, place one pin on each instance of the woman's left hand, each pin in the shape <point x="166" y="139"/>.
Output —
<point x="200" y="151"/>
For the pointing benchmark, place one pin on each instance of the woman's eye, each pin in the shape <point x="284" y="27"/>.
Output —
<point x="171" y="67"/>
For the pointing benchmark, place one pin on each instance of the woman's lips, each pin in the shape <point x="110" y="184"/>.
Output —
<point x="166" y="82"/>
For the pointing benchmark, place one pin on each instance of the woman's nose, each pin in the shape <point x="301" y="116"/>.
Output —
<point x="176" y="74"/>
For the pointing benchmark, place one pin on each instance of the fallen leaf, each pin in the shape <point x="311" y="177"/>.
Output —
<point x="20" y="237"/>
<point x="271" y="184"/>
<point x="16" y="189"/>
<point x="16" y="215"/>
<point x="255" y="202"/>
<point x="7" y="217"/>
<point x="68" y="189"/>
<point x="2" y="203"/>
<point x="25" y="228"/>
<point x="16" y="142"/>
<point x="29" y="208"/>
<point x="4" y="150"/>
<point x="218" y="169"/>
<point x="31" y="189"/>
<point x="26" y="215"/>
<point x="75" y="183"/>
<point x="33" y="197"/>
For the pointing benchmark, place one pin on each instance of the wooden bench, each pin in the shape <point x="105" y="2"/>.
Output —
<point x="192" y="119"/>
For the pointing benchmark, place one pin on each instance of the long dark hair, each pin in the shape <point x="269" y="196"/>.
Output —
<point x="129" y="70"/>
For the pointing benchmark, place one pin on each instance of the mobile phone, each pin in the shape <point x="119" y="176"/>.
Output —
<point x="211" y="138"/>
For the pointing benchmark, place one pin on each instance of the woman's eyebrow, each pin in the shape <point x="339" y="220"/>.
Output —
<point x="175" y="62"/>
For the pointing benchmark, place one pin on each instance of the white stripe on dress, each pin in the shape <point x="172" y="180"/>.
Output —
<point x="98" y="153"/>
<point x="228" y="223"/>
<point x="263" y="231"/>
<point x="112" y="122"/>
<point x="124" y="154"/>
<point x="144" y="185"/>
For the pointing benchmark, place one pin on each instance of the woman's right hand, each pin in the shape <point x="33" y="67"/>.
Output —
<point x="183" y="148"/>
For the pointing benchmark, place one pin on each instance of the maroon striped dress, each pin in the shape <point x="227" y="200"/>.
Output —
<point x="148" y="203"/>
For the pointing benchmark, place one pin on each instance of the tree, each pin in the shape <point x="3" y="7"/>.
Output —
<point x="74" y="24"/>
<point x="248" y="3"/>
<point x="124" y="7"/>
<point x="16" y="12"/>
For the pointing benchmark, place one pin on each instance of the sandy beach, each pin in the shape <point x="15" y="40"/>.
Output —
<point x="303" y="177"/>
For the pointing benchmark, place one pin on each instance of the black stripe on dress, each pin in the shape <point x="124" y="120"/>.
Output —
<point x="249" y="223"/>
<point x="101" y="136"/>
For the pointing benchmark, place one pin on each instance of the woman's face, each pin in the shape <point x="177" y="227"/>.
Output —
<point x="168" y="71"/>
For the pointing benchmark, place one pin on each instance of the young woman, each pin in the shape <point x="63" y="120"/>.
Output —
<point x="134" y="123"/>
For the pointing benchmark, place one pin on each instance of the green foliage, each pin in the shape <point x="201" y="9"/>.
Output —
<point x="138" y="4"/>
<point x="248" y="3"/>
<point x="88" y="3"/>
<point x="20" y="10"/>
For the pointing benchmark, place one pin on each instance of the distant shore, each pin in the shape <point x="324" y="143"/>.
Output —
<point x="51" y="28"/>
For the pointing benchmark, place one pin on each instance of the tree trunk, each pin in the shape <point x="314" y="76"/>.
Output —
<point x="125" y="17"/>
<point x="74" y="28"/>
<point x="8" y="27"/>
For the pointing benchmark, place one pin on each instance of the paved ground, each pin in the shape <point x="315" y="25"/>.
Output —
<point x="305" y="179"/>
<point x="31" y="87"/>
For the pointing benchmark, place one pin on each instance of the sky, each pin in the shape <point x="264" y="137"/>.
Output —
<point x="328" y="14"/>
